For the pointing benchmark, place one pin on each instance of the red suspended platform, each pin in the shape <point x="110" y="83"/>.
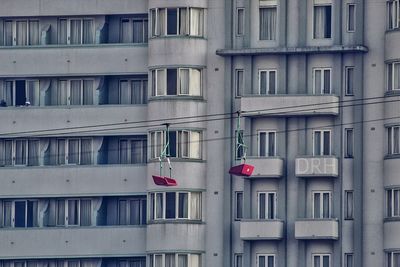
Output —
<point x="242" y="170"/>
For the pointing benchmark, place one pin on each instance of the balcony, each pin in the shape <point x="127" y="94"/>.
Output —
<point x="317" y="229"/>
<point x="317" y="166"/>
<point x="289" y="105"/>
<point x="180" y="235"/>
<point x="74" y="180"/>
<point x="72" y="242"/>
<point x="266" y="167"/>
<point x="391" y="226"/>
<point x="21" y="119"/>
<point x="58" y="60"/>
<point x="261" y="229"/>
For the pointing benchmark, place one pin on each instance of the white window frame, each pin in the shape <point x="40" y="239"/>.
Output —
<point x="236" y="258"/>
<point x="191" y="92"/>
<point x="258" y="255"/>
<point x="346" y="259"/>
<point x="391" y="68"/>
<point x="13" y="201"/>
<point x="392" y="204"/>
<point x="66" y="212"/>
<point x="267" y="145"/>
<point x="267" y="194"/>
<point x="324" y="3"/>
<point x="14" y="90"/>
<point x="66" y="150"/>
<point x="347" y="92"/>
<point x="323" y="69"/>
<point x="14" y="31"/>
<point x="152" y="258"/>
<point x="322" y="131"/>
<point x="128" y="200"/>
<point x="390" y="258"/>
<point x="391" y="140"/>
<point x="267" y="71"/>
<point x="348" y="17"/>
<point x="321" y="255"/>
<point x="131" y="20"/>
<point x="68" y="37"/>
<point x="321" y="204"/>
<point x="395" y="15"/>
<point x="68" y="93"/>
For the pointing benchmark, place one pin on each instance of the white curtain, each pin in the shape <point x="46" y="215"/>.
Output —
<point x="268" y="23"/>
<point x="8" y="33"/>
<point x="75" y="92"/>
<point x="73" y="151"/>
<point x="182" y="260"/>
<point x="158" y="261"/>
<point x="90" y="263"/>
<point x="319" y="22"/>
<point x="73" y="212"/>
<point x="34" y="32"/>
<point x="184" y="81"/>
<point x="183" y="208"/>
<point x="146" y="31"/>
<point x="161" y="82"/>
<point x="62" y="31"/>
<point x="183" y="21"/>
<point x="60" y="212"/>
<point x="22" y="30"/>
<point x="137" y="151"/>
<point x="125" y="36"/>
<point x="123" y="151"/>
<point x="169" y="260"/>
<point x="124" y="92"/>
<point x="195" y="82"/>
<point x="195" y="260"/>
<point x="183" y="143"/>
<point x="33" y="152"/>
<point x="137" y="92"/>
<point x="396" y="75"/>
<point x="318" y="81"/>
<point x="88" y="92"/>
<point x="135" y="212"/>
<point x="7" y="213"/>
<point x="396" y="139"/>
<point x="159" y="206"/>
<point x="73" y="263"/>
<point x="86" y="152"/>
<point x="195" y="145"/>
<point x="62" y="92"/>
<point x="161" y="21"/>
<point x="7" y="93"/>
<point x="86" y="212"/>
<point x="138" y="31"/>
<point x="195" y="205"/>
<point x="196" y="22"/>
<point x="20" y="152"/>
<point x="32" y="94"/>
<point x="60" y="151"/>
<point x="88" y="31"/>
<point x="75" y="31"/>
<point x="153" y="22"/>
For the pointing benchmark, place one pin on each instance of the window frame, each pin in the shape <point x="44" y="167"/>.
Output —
<point x="240" y="24"/>
<point x="268" y="89"/>
<point x="268" y="4"/>
<point x="390" y="194"/>
<point x="266" y="255"/>
<point x="348" y="153"/>
<point x="321" y="255"/>
<point x="128" y="208"/>
<point x="267" y="211"/>
<point x="267" y="144"/>
<point x="13" y="213"/>
<point x="349" y="91"/>
<point x="14" y="33"/>
<point x="322" y="131"/>
<point x="236" y="258"/>
<point x="390" y="73"/>
<point x="239" y="88"/>
<point x="237" y="207"/>
<point x="348" y="24"/>
<point x="391" y="17"/>
<point x="68" y="32"/>
<point x="321" y="204"/>
<point x="391" y="148"/>
<point x="129" y="81"/>
<point x="131" y="21"/>
<point x="347" y="193"/>
<point x="68" y="94"/>
<point x="14" y="90"/>
<point x="313" y="20"/>
<point x="322" y="69"/>
<point x="191" y="93"/>
<point x="79" y="152"/>
<point x="346" y="259"/>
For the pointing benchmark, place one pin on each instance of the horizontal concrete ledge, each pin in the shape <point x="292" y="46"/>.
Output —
<point x="317" y="229"/>
<point x="292" y="50"/>
<point x="261" y="229"/>
<point x="266" y="167"/>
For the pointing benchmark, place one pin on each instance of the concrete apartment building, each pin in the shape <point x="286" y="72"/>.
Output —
<point x="86" y="86"/>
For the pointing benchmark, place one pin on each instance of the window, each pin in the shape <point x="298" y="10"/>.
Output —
<point x="322" y="142"/>
<point x="267" y="82"/>
<point x="238" y="260"/>
<point x="69" y="212"/>
<point x="349" y="79"/>
<point x="240" y="21"/>
<point x="75" y="92"/>
<point x="265" y="260"/>
<point x="132" y="92"/>
<point x="132" y="151"/>
<point x="238" y="205"/>
<point x="266" y="144"/>
<point x="175" y="260"/>
<point x="393" y="14"/>
<point x="106" y="262"/>
<point x="74" y="151"/>
<point x="349" y="205"/>
<point x="393" y="140"/>
<point x="266" y="205"/>
<point x="322" y="80"/>
<point x="349" y="143"/>
<point x="393" y="259"/>
<point x="393" y="202"/>
<point x="133" y="30"/>
<point x="21" y="32"/>
<point x="19" y="213"/>
<point x="239" y="149"/>
<point x="393" y="76"/>
<point x="322" y="205"/>
<point x="321" y="260"/>
<point x="268" y="20"/>
<point x="239" y="82"/>
<point x="177" y="21"/>
<point x="182" y="144"/>
<point x="351" y="17"/>
<point x="76" y="31"/>
<point x="349" y="261"/>
<point x="181" y="81"/>
<point x="131" y="211"/>
<point x="20" y="92"/>
<point x="175" y="205"/>
<point x="19" y="152"/>
<point x="322" y="20"/>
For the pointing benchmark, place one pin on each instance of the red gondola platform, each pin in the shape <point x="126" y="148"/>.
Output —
<point x="164" y="181"/>
<point x="242" y="170"/>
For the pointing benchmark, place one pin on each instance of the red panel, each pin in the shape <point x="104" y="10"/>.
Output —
<point x="242" y="170"/>
<point x="164" y="181"/>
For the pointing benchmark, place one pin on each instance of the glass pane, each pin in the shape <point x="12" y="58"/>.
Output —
<point x="86" y="212"/>
<point x="170" y="205"/>
<point x="272" y="82"/>
<point x="195" y="145"/>
<point x="75" y="31"/>
<point x="271" y="206"/>
<point x="327" y="82"/>
<point x="268" y="23"/>
<point x="263" y="82"/>
<point x="76" y="97"/>
<point x="396" y="140"/>
<point x="61" y="151"/>
<point x="137" y="151"/>
<point x="317" y="205"/>
<point x="261" y="261"/>
<point x="317" y="143"/>
<point x="62" y="92"/>
<point x="73" y="212"/>
<point x="159" y="206"/>
<point x="317" y="261"/>
<point x="172" y="81"/>
<point x="184" y="81"/>
<point x="8" y="33"/>
<point x="34" y="32"/>
<point x="125" y="32"/>
<point x="396" y="206"/>
<point x="138" y="31"/>
<point x="123" y="217"/>
<point x="32" y="213"/>
<point x="20" y="213"/>
<point x="271" y="261"/>
<point x="7" y="213"/>
<point x="8" y="152"/>
<point x="32" y="93"/>
<point x="86" y="152"/>
<point x="349" y="205"/>
<point x="326" y="205"/>
<point x="124" y="93"/>
<point x="327" y="143"/>
<point x="262" y="139"/>
<point x="317" y="82"/>
<point x="325" y="260"/>
<point x="73" y="151"/>
<point x="183" y="260"/>
<point x="161" y="21"/>
<point x="169" y="260"/>
<point x="239" y="205"/>
<point x="22" y="33"/>
<point x="161" y="82"/>
<point x="20" y="152"/>
<point x="350" y="81"/>
<point x="33" y="153"/>
<point x="195" y="205"/>
<point x="88" y="92"/>
<point x="62" y="31"/>
<point x="240" y="21"/>
<point x="183" y="21"/>
<point x="60" y="212"/>
<point x="196" y="21"/>
<point x="271" y="144"/>
<point x="137" y="92"/>
<point x="239" y="82"/>
<point x="183" y="209"/>
<point x="261" y="206"/>
<point x="172" y="17"/>
<point x="135" y="212"/>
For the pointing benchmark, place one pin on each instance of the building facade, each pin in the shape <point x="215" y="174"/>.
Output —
<point x="87" y="86"/>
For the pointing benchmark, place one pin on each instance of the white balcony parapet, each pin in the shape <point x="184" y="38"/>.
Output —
<point x="261" y="229"/>
<point x="320" y="166"/>
<point x="317" y="229"/>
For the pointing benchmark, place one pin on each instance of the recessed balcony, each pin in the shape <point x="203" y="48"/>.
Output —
<point x="266" y="167"/>
<point x="317" y="166"/>
<point x="317" y="229"/>
<point x="261" y="229"/>
<point x="72" y="242"/>
<point x="289" y="105"/>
